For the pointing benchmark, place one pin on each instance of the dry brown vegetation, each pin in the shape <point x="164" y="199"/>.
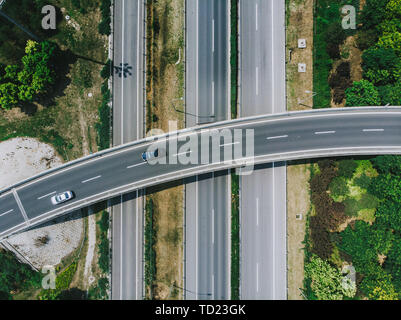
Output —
<point x="299" y="25"/>
<point x="165" y="85"/>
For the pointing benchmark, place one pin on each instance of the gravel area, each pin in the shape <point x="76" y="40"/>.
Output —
<point x="49" y="243"/>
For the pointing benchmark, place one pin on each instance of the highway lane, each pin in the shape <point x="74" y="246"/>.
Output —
<point x="263" y="194"/>
<point x="207" y="247"/>
<point x="127" y="211"/>
<point x="288" y="136"/>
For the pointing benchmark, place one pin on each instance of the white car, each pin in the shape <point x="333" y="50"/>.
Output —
<point x="62" y="197"/>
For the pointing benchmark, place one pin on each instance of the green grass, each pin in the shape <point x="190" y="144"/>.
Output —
<point x="234" y="58"/>
<point x="235" y="237"/>
<point x="150" y="254"/>
<point x="326" y="12"/>
<point x="37" y="126"/>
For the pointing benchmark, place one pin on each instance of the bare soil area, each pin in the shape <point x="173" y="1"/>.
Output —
<point x="299" y="26"/>
<point x="298" y="202"/>
<point x="299" y="97"/>
<point x="50" y="243"/>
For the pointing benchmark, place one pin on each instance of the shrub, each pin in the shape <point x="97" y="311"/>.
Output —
<point x="363" y="181"/>
<point x="366" y="38"/>
<point x="335" y="35"/>
<point x="326" y="281"/>
<point x="351" y="207"/>
<point x="107" y="70"/>
<point x="338" y="187"/>
<point x="390" y="94"/>
<point x="346" y="168"/>
<point x="362" y="93"/>
<point x="368" y="201"/>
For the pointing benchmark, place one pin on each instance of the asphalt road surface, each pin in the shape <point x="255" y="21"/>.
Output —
<point x="207" y="254"/>
<point x="263" y="194"/>
<point x="127" y="217"/>
<point x="288" y="136"/>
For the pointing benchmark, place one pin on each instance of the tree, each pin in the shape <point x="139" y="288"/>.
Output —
<point x="387" y="164"/>
<point x="362" y="181"/>
<point x="335" y="35"/>
<point x="346" y="168"/>
<point x="391" y="41"/>
<point x="362" y="93"/>
<point x="390" y="94"/>
<point x="8" y="95"/>
<point x="381" y="65"/>
<point x="379" y="287"/>
<point x="326" y="281"/>
<point x="338" y="187"/>
<point x="361" y="244"/>
<point x="11" y="73"/>
<point x="393" y="9"/>
<point x="373" y="13"/>
<point x="389" y="214"/>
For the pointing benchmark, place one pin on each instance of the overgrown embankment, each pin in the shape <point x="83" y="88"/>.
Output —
<point x="164" y="91"/>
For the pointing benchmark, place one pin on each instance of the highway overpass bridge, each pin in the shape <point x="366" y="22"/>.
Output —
<point x="279" y="137"/>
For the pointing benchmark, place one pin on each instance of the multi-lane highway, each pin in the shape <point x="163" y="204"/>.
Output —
<point x="295" y="135"/>
<point x="263" y="194"/>
<point x="127" y="212"/>
<point x="207" y="254"/>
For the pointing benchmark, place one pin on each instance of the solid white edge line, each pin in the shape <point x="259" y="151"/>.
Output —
<point x="121" y="247"/>
<point x="122" y="76"/>
<point x="213" y="226"/>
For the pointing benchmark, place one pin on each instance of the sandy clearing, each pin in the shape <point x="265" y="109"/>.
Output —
<point x="21" y="158"/>
<point x="47" y="244"/>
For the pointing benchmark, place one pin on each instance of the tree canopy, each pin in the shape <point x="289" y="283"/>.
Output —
<point x="362" y="93"/>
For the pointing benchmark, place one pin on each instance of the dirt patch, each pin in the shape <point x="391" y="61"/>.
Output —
<point x="299" y="26"/>
<point x="165" y="87"/>
<point x="298" y="202"/>
<point x="22" y="158"/>
<point x="299" y="97"/>
<point x="351" y="54"/>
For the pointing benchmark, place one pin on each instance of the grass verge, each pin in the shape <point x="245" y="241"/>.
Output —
<point x="235" y="237"/>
